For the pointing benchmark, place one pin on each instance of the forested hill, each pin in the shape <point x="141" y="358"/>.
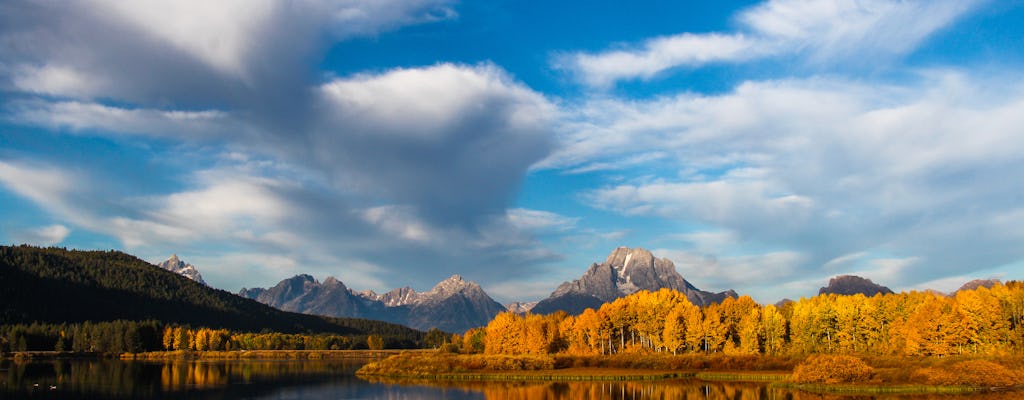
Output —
<point x="53" y="285"/>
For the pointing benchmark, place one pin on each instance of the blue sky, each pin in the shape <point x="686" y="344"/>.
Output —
<point x="762" y="146"/>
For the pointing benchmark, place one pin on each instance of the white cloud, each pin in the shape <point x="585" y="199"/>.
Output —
<point x="721" y="202"/>
<point x="538" y="220"/>
<point x="451" y="140"/>
<point x="843" y="262"/>
<point x="822" y="31"/>
<point x="748" y="274"/>
<point x="78" y="116"/>
<point x="219" y="33"/>
<point x="56" y="80"/>
<point x="839" y="29"/>
<point x="44" y="236"/>
<point x="46" y="186"/>
<point x="660" y="54"/>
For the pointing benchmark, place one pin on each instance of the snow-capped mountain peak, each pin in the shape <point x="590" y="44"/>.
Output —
<point x="175" y="265"/>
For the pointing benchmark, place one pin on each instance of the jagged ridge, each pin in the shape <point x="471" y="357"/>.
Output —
<point x="453" y="305"/>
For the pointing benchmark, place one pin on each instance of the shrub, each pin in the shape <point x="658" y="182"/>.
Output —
<point x="971" y="373"/>
<point x="832" y="369"/>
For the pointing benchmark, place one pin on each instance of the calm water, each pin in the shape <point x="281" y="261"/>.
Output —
<point x="335" y="379"/>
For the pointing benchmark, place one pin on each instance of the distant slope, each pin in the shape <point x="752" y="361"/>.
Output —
<point x="624" y="272"/>
<point x="57" y="285"/>
<point x="453" y="305"/>
<point x="850" y="285"/>
<point x="977" y="283"/>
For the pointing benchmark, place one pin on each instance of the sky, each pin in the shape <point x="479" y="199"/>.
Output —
<point x="762" y="146"/>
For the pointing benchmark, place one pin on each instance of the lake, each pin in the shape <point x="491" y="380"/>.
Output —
<point x="335" y="379"/>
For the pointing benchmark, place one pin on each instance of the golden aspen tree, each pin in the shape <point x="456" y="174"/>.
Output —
<point x="588" y="327"/>
<point x="375" y="342"/>
<point x="200" y="340"/>
<point x="749" y="332"/>
<point x="473" y="340"/>
<point x="168" y="338"/>
<point x="989" y="328"/>
<point x="773" y="330"/>
<point x="504" y="334"/>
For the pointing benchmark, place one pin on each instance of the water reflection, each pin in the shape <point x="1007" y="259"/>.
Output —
<point x="172" y="379"/>
<point x="335" y="379"/>
<point x="667" y="389"/>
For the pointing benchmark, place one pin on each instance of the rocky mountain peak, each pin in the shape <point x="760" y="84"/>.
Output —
<point x="851" y="284"/>
<point x="625" y="271"/>
<point x="175" y="265"/>
<point x="520" y="307"/>
<point x="453" y="285"/>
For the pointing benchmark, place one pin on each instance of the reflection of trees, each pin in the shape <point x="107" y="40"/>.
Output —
<point x="115" y="378"/>
<point x="629" y="390"/>
<point x="668" y="389"/>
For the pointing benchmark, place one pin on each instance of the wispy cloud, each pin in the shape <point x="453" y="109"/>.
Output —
<point x="43" y="236"/>
<point x="819" y="32"/>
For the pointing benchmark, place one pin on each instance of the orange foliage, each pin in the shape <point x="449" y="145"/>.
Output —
<point x="973" y="373"/>
<point x="832" y="369"/>
<point x="980" y="322"/>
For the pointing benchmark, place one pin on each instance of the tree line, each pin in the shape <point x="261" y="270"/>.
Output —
<point x="984" y="321"/>
<point x="144" y="336"/>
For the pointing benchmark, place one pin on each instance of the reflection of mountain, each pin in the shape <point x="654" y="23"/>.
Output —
<point x="453" y="305"/>
<point x="624" y="272"/>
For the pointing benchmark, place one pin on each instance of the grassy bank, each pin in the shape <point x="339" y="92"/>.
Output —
<point x="880" y="389"/>
<point x="445" y="366"/>
<point x="820" y="374"/>
<point x="732" y="376"/>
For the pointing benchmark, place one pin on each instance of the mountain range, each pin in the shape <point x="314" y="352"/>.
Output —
<point x="453" y="305"/>
<point x="456" y="305"/>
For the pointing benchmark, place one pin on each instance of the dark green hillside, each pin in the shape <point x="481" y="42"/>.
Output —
<point x="55" y="285"/>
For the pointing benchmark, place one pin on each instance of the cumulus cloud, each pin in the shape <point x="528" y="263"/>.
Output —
<point x="451" y="141"/>
<point x="193" y="53"/>
<point x="819" y="31"/>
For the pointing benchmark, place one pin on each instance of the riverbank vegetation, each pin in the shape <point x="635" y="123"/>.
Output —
<point x="974" y="338"/>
